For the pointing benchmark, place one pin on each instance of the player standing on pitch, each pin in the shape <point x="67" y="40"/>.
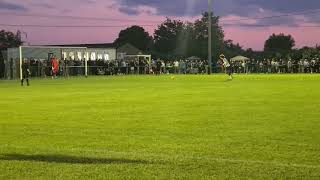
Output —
<point x="227" y="66"/>
<point x="55" y="67"/>
<point x="158" y="67"/>
<point x="25" y="73"/>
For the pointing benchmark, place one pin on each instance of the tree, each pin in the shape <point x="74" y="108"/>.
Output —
<point x="166" y="37"/>
<point x="174" y="38"/>
<point x="231" y="49"/>
<point x="137" y="36"/>
<point x="186" y="44"/>
<point x="309" y="52"/>
<point x="281" y="43"/>
<point x="201" y="34"/>
<point x="8" y="40"/>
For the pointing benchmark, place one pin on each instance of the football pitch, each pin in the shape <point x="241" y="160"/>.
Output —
<point x="148" y="127"/>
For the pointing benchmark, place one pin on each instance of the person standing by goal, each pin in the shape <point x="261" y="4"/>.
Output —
<point x="227" y="66"/>
<point x="55" y="67"/>
<point x="25" y="73"/>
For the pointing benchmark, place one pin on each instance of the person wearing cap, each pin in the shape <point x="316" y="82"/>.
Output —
<point x="227" y="66"/>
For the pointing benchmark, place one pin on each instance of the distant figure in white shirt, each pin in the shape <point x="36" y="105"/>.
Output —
<point x="176" y="67"/>
<point x="227" y="66"/>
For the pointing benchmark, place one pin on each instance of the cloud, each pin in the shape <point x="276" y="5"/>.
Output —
<point x="283" y="6"/>
<point x="11" y="6"/>
<point x="243" y="8"/>
<point x="169" y="7"/>
<point x="65" y="11"/>
<point x="44" y="5"/>
<point x="128" y="10"/>
<point x="261" y="10"/>
<point x="138" y="10"/>
<point x="89" y="1"/>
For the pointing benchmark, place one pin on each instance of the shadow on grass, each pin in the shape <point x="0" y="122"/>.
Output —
<point x="69" y="159"/>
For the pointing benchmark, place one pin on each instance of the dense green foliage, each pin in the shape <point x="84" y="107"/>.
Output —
<point x="136" y="36"/>
<point x="7" y="40"/>
<point x="145" y="127"/>
<point x="174" y="38"/>
<point x="280" y="43"/>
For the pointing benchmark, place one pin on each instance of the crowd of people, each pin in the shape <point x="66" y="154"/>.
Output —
<point x="43" y="68"/>
<point x="181" y="66"/>
<point x="275" y="66"/>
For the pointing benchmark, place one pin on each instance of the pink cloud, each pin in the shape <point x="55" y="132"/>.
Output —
<point x="248" y="37"/>
<point x="232" y="19"/>
<point x="255" y="37"/>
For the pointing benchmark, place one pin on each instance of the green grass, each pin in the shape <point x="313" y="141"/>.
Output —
<point x="146" y="127"/>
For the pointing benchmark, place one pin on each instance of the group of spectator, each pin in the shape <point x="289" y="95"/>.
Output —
<point x="43" y="68"/>
<point x="275" y="66"/>
<point x="118" y="67"/>
<point x="143" y="66"/>
<point x="181" y="66"/>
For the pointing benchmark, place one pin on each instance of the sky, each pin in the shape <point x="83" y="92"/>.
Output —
<point x="242" y="20"/>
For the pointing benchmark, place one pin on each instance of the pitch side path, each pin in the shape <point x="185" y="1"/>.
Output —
<point x="148" y="127"/>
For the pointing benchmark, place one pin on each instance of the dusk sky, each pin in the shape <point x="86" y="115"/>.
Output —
<point x="304" y="26"/>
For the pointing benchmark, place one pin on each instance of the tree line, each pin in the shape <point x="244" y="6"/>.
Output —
<point x="174" y="39"/>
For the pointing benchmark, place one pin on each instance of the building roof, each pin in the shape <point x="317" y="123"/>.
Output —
<point x="129" y="49"/>
<point x="239" y="58"/>
<point x="98" y="45"/>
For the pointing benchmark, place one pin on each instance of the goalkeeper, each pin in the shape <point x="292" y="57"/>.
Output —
<point x="25" y="73"/>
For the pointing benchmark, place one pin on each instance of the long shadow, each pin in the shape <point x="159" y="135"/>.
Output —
<point x="69" y="159"/>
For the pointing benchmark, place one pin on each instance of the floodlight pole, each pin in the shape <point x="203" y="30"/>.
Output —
<point x="209" y="37"/>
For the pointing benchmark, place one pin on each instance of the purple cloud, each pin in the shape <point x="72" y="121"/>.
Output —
<point x="11" y="6"/>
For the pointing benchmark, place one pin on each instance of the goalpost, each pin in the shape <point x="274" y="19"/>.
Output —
<point x="147" y="57"/>
<point x="20" y="60"/>
<point x="39" y="59"/>
<point x="140" y="55"/>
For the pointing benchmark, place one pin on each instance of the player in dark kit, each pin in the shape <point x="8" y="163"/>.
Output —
<point x="158" y="66"/>
<point x="25" y="73"/>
